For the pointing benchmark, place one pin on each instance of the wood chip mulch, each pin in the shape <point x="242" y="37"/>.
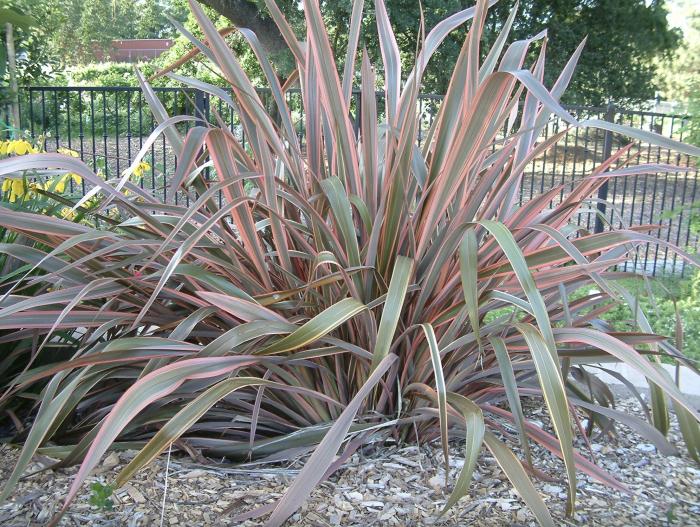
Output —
<point x="394" y="486"/>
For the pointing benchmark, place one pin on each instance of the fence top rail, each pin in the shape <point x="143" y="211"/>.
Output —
<point x="102" y="89"/>
<point x="422" y="96"/>
<point x="648" y="113"/>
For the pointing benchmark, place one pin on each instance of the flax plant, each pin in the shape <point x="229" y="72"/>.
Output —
<point x="318" y="292"/>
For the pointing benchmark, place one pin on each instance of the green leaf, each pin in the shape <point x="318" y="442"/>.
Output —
<point x="317" y="327"/>
<point x="474" y="426"/>
<point x="401" y="277"/>
<point x="511" y="388"/>
<point x="441" y="390"/>
<point x="518" y="477"/>
<point x="468" y="267"/>
<point x="321" y="459"/>
<point x="554" y="392"/>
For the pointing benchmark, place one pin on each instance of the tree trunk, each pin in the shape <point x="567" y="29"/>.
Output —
<point x="244" y="13"/>
<point x="12" y="68"/>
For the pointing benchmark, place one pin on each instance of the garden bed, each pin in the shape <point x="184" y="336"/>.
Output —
<point x="392" y="486"/>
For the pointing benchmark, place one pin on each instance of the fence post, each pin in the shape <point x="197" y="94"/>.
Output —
<point x="607" y="151"/>
<point x="201" y="100"/>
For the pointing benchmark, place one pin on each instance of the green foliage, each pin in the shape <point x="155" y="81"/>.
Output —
<point x="667" y="295"/>
<point x="34" y="58"/>
<point x="300" y="293"/>
<point x="618" y="63"/>
<point x="106" y="74"/>
<point x="102" y="21"/>
<point x="679" y="74"/>
<point x="100" y="496"/>
<point x="152" y="21"/>
<point x="69" y="32"/>
<point x="690" y="211"/>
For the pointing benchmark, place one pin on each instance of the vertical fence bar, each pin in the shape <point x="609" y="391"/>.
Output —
<point x="200" y="105"/>
<point x="560" y="164"/>
<point x="31" y="112"/>
<point x="603" y="190"/>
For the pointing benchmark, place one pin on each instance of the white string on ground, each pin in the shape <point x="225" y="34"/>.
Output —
<point x="165" y="487"/>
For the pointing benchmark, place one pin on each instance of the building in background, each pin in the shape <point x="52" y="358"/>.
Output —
<point x="134" y="50"/>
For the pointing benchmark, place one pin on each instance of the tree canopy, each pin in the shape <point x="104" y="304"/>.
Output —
<point x="625" y="38"/>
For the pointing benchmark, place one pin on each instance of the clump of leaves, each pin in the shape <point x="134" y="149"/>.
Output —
<point x="100" y="496"/>
<point x="317" y="292"/>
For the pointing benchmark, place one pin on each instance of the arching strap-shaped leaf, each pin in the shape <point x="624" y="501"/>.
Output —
<point x="441" y="390"/>
<point x="353" y="38"/>
<point x="643" y="428"/>
<point x="192" y="412"/>
<point x="161" y="116"/>
<point x="391" y="59"/>
<point x="433" y="41"/>
<point x="474" y="426"/>
<point x="148" y="389"/>
<point x="551" y="443"/>
<point x="403" y="269"/>
<point x="690" y="430"/>
<point x="518" y="477"/>
<point x="520" y="267"/>
<point x="319" y="326"/>
<point x="243" y="333"/>
<point x="627" y="354"/>
<point x="549" y="375"/>
<point x="643" y="135"/>
<point x="240" y="308"/>
<point x="324" y="454"/>
<point x="494" y="53"/>
<point x="49" y="409"/>
<point x="342" y="214"/>
<point x="511" y="387"/>
<point x="468" y="269"/>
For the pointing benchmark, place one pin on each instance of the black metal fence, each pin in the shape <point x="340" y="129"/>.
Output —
<point x="107" y="126"/>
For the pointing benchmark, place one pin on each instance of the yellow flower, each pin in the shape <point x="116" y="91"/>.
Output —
<point x="60" y="186"/>
<point x="36" y="186"/>
<point x="20" y="147"/>
<point x="67" y="152"/>
<point x="67" y="213"/>
<point x="3" y="147"/>
<point x="78" y="180"/>
<point x="17" y="190"/>
<point x="6" y="185"/>
<point x="141" y="168"/>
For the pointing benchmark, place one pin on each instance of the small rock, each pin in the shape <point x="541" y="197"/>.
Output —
<point x="355" y="496"/>
<point x="373" y="504"/>
<point x="437" y="482"/>
<point x="522" y="515"/>
<point x="111" y="461"/>
<point x="196" y="473"/>
<point x="552" y="489"/>
<point x="646" y="447"/>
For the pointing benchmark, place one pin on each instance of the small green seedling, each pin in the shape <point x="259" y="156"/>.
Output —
<point x="100" y="496"/>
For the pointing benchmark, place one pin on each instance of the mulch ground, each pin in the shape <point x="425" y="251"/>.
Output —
<point x="393" y="486"/>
